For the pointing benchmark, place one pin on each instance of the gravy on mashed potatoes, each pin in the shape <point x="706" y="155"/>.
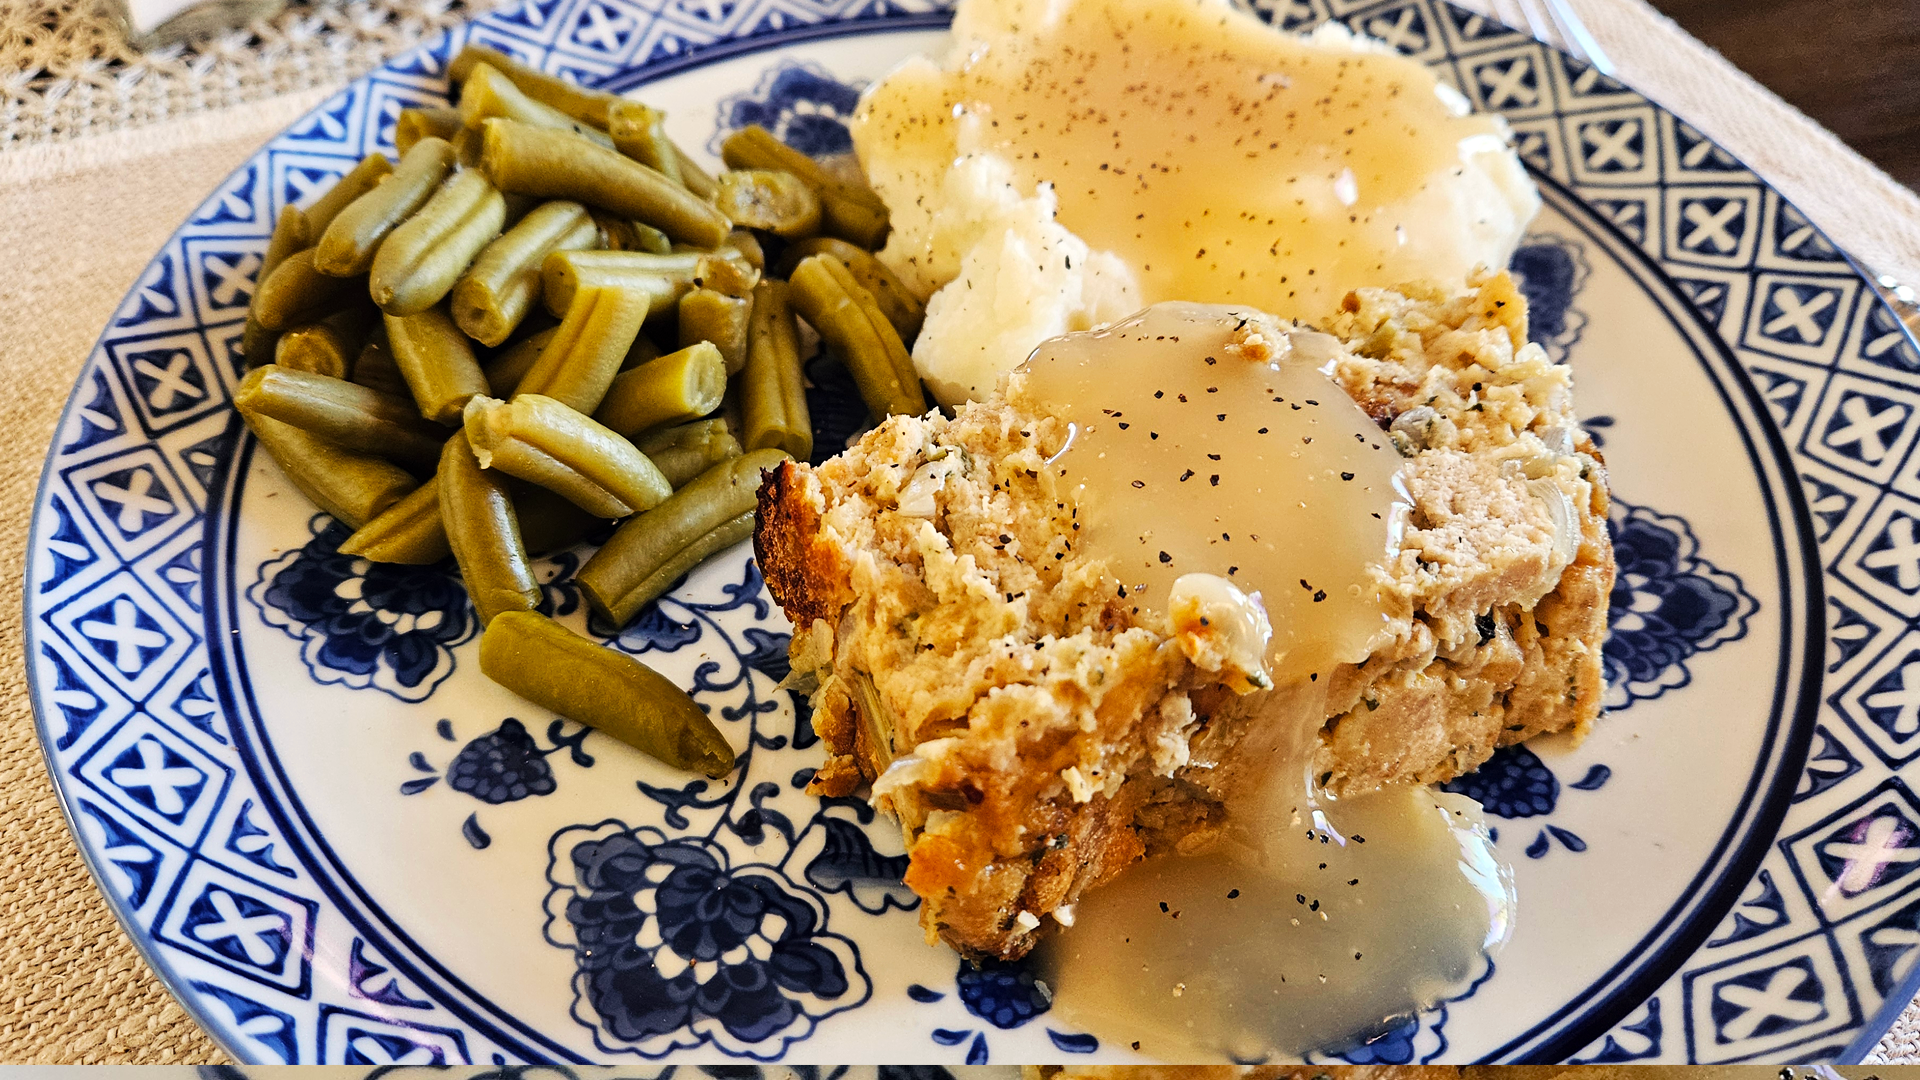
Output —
<point x="1072" y="161"/>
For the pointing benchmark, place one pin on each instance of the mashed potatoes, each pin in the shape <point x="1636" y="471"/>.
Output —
<point x="1071" y="161"/>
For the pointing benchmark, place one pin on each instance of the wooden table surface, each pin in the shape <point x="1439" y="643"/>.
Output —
<point x="1852" y="65"/>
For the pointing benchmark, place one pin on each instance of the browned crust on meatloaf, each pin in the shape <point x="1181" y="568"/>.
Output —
<point x="786" y="526"/>
<point x="1047" y="736"/>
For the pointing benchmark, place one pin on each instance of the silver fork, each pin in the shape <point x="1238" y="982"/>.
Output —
<point x="1555" y="23"/>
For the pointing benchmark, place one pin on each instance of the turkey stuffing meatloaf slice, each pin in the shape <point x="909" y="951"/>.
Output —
<point x="1034" y="735"/>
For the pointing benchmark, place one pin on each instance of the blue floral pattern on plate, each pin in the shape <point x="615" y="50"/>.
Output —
<point x="1668" y="604"/>
<point x="1550" y="271"/>
<point x="1515" y="784"/>
<point x="676" y="948"/>
<point x="1006" y="995"/>
<point x="504" y="765"/>
<point x="804" y="106"/>
<point x="364" y="623"/>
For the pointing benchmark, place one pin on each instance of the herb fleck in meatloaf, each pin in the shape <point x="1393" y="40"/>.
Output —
<point x="1034" y="736"/>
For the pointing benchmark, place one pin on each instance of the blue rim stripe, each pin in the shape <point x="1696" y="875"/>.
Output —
<point x="1763" y="827"/>
<point x="290" y="815"/>
<point x="1692" y="930"/>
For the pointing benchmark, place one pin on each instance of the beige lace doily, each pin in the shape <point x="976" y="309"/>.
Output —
<point x="66" y="69"/>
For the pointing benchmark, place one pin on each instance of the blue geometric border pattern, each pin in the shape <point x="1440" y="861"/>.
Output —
<point x="1823" y="941"/>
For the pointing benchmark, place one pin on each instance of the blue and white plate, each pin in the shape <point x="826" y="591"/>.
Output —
<point x="336" y="842"/>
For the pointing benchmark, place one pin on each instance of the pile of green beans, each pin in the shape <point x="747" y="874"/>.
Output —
<point x="547" y="318"/>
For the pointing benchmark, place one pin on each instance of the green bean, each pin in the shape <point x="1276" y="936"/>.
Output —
<point x="684" y="452"/>
<point x="418" y="264"/>
<point x="581" y="359"/>
<point x="643" y="351"/>
<point x="409" y="532"/>
<point x="678" y="387"/>
<point x="543" y="442"/>
<point x="619" y="234"/>
<point x="863" y="300"/>
<point x="317" y="348"/>
<point x="640" y="133"/>
<point x="896" y="301"/>
<point x="290" y="234"/>
<point x="354" y="488"/>
<point x="665" y="277"/>
<point x="711" y="315"/>
<point x="467" y="146"/>
<point x="557" y="669"/>
<point x="487" y="94"/>
<point x="729" y="413"/>
<point x="374" y="367"/>
<point x="648" y="553"/>
<point x="588" y="106"/>
<point x="519" y="206"/>
<point x="436" y="361"/>
<point x="348" y="245"/>
<point x="501" y="286"/>
<point x="511" y="364"/>
<point x="773" y="393"/>
<point x="257" y="343"/>
<point x="548" y="522"/>
<point x="697" y="180"/>
<point x="295" y="293"/>
<point x="848" y="211"/>
<point x="848" y="320"/>
<point x="771" y="199"/>
<point x="362" y="178"/>
<point x="539" y="161"/>
<point x="342" y="413"/>
<point x="431" y="122"/>
<point x="483" y="531"/>
<point x="748" y="245"/>
<point x="327" y="347"/>
<point x="727" y="271"/>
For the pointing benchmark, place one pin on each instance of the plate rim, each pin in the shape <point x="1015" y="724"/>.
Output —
<point x="1791" y="723"/>
<point x="220" y="537"/>
<point x="1873" y="1027"/>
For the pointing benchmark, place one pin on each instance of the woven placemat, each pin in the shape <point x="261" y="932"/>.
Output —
<point x="67" y="71"/>
<point x="88" y="194"/>
<point x="80" y="221"/>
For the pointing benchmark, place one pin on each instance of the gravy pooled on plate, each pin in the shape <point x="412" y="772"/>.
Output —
<point x="1311" y="928"/>
<point x="1230" y="484"/>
